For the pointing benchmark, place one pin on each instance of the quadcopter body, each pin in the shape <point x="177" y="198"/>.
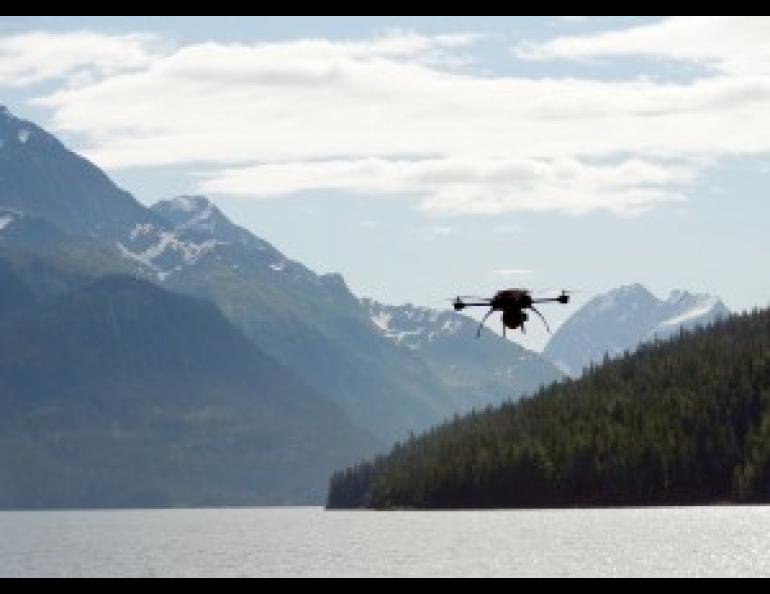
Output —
<point x="513" y="303"/>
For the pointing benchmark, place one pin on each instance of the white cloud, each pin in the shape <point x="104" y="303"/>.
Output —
<point x="389" y="115"/>
<point x="734" y="44"/>
<point x="469" y="184"/>
<point x="507" y="272"/>
<point x="38" y="56"/>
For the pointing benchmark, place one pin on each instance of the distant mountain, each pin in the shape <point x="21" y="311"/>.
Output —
<point x="481" y="372"/>
<point x="123" y="394"/>
<point x="311" y="323"/>
<point x="624" y="318"/>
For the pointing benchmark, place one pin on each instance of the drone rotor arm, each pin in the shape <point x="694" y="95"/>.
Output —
<point x="558" y="299"/>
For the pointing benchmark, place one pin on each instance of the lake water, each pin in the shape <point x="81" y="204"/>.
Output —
<point x="716" y="541"/>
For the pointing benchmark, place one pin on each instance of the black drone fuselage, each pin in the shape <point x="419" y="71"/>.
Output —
<point x="510" y="300"/>
<point x="512" y="303"/>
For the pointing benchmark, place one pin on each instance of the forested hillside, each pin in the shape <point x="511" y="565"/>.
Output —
<point x="679" y="422"/>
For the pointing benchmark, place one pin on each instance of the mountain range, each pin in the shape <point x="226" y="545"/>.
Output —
<point x="101" y="270"/>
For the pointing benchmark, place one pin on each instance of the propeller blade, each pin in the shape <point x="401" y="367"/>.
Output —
<point x="558" y="290"/>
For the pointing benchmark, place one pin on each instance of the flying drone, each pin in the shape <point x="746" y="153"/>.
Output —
<point x="513" y="303"/>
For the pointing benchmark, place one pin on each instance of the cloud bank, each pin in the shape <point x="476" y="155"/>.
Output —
<point x="405" y="114"/>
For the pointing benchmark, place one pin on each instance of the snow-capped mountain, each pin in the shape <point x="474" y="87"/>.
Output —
<point x="200" y="234"/>
<point x="622" y="319"/>
<point x="191" y="230"/>
<point x="76" y="218"/>
<point x="486" y="371"/>
<point x="48" y="193"/>
<point x="194" y="216"/>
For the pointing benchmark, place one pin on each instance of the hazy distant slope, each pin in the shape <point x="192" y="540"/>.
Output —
<point x="122" y="394"/>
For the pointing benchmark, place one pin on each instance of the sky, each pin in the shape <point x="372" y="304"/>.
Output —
<point x="424" y="157"/>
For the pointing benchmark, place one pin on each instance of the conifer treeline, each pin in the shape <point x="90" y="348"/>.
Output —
<point x="680" y="422"/>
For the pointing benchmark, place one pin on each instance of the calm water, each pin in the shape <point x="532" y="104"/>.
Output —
<point x="721" y="541"/>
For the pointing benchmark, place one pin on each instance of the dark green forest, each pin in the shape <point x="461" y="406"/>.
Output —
<point x="685" y="421"/>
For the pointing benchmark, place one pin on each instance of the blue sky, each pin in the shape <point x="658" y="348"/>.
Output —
<point x="428" y="156"/>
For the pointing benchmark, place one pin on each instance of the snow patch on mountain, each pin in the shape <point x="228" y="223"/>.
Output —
<point x="705" y="305"/>
<point x="451" y="326"/>
<point x="23" y="135"/>
<point x="5" y="221"/>
<point x="185" y="203"/>
<point x="129" y="255"/>
<point x="168" y="252"/>
<point x="8" y="217"/>
<point x="142" y="230"/>
<point x="201" y="211"/>
<point x="194" y="229"/>
<point x="190" y="252"/>
<point x="382" y="319"/>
